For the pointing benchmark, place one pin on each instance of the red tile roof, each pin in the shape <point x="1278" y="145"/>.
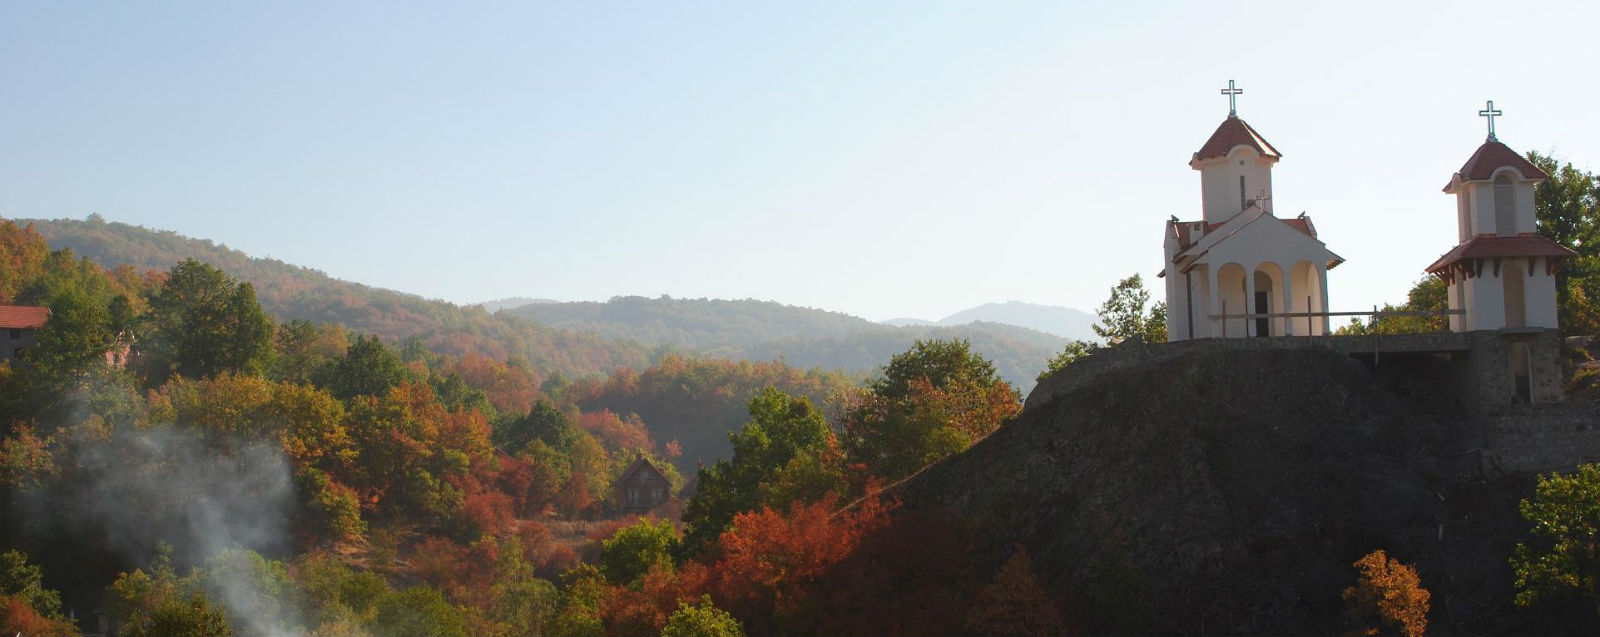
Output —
<point x="1492" y="156"/>
<point x="1488" y="246"/>
<point x="1235" y="132"/>
<point x="23" y="316"/>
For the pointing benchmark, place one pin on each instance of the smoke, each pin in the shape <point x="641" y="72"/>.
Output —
<point x="203" y="495"/>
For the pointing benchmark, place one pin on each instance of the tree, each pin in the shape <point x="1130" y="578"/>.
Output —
<point x="26" y="582"/>
<point x="1387" y="594"/>
<point x="202" y="322"/>
<point x="1565" y="557"/>
<point x="1015" y="603"/>
<point x="633" y="550"/>
<point x="1123" y="316"/>
<point x="160" y="603"/>
<point x="1074" y="350"/>
<point x="701" y="620"/>
<point x="782" y="429"/>
<point x="419" y="610"/>
<point x="1429" y="293"/>
<point x="368" y="368"/>
<point x="1568" y="209"/>
<point x="934" y="400"/>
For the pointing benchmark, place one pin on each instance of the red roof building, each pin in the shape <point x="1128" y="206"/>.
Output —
<point x="17" y="326"/>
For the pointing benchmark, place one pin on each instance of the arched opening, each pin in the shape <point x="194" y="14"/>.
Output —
<point x="1231" y="300"/>
<point x="1269" y="284"/>
<point x="1512" y="279"/>
<point x="1306" y="298"/>
<point x="1505" y="206"/>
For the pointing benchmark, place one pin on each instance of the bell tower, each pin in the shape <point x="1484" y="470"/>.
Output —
<point x="1502" y="274"/>
<point x="1235" y="166"/>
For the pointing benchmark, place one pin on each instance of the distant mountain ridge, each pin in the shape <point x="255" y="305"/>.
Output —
<point x="576" y="339"/>
<point x="1061" y="321"/>
<point x="807" y="337"/>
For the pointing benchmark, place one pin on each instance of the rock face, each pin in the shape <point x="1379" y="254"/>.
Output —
<point x="1230" y="491"/>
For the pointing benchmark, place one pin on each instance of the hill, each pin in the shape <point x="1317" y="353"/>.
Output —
<point x="511" y="302"/>
<point x="804" y="337"/>
<point x="1050" y="319"/>
<point x="1230" y="491"/>
<point x="292" y="292"/>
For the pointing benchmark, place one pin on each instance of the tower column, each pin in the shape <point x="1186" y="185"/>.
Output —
<point x="1288" y="298"/>
<point x="1249" y="301"/>
<point x="1322" y="283"/>
<point x="1213" y="302"/>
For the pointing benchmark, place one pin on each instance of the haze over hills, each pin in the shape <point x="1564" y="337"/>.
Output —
<point x="575" y="339"/>
<point x="1061" y="321"/>
<point x="807" y="337"/>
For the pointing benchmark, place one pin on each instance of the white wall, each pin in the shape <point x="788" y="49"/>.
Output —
<point x="1219" y="182"/>
<point x="1539" y="292"/>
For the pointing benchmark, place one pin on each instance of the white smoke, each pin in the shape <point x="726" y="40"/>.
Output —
<point x="202" y="495"/>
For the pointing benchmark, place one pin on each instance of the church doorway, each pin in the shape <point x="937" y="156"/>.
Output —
<point x="1262" y="304"/>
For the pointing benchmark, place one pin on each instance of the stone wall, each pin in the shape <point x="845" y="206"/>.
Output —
<point x="1541" y="438"/>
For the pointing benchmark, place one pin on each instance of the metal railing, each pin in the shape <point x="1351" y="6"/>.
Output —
<point x="1375" y="314"/>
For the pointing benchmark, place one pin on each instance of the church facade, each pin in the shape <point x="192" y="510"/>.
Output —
<point x="1240" y="270"/>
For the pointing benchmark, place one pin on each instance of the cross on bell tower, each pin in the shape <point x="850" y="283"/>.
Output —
<point x="1232" y="92"/>
<point x="1490" y="112"/>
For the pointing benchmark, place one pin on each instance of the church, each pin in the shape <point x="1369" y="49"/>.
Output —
<point x="1239" y="258"/>
<point x="1242" y="271"/>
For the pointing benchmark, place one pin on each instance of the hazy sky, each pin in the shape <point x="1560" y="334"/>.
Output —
<point x="883" y="159"/>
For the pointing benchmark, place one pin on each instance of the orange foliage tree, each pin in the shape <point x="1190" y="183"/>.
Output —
<point x="1388" y="594"/>
<point x="1015" y="603"/>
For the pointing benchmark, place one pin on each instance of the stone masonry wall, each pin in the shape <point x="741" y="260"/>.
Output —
<point x="1542" y="438"/>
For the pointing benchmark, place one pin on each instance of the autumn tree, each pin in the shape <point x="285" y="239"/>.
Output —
<point x="1564" y="558"/>
<point x="1015" y="603"/>
<point x="1124" y="314"/>
<point x="202" y="322"/>
<point x="26" y="606"/>
<point x="1387" y="595"/>
<point x="783" y="430"/>
<point x="932" y="401"/>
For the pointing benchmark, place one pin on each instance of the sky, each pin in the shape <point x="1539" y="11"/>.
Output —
<point x="884" y="159"/>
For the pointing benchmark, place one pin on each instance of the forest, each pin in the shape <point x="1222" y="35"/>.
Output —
<point x="176" y="461"/>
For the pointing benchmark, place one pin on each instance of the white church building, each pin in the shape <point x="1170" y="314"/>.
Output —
<point x="1239" y="258"/>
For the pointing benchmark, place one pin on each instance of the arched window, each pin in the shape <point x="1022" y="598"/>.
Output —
<point x="1505" y="206"/>
<point x="1242" y="200"/>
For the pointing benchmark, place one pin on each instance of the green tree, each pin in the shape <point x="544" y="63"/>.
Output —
<point x="1124" y="315"/>
<point x="583" y="589"/>
<point x="630" y="553"/>
<point x="419" y="610"/>
<point x="160" y="604"/>
<point x="1564" y="558"/>
<point x="203" y="322"/>
<point x="1429" y="293"/>
<point x="1074" y="350"/>
<point x="368" y="368"/>
<point x="782" y="428"/>
<point x="1568" y="208"/>
<point x="701" y="620"/>
<point x="933" y="400"/>
<point x="544" y="423"/>
<point x="260" y="590"/>
<point x="18" y="577"/>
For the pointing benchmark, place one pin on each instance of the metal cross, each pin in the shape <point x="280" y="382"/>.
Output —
<point x="1231" y="92"/>
<point x="1490" y="112"/>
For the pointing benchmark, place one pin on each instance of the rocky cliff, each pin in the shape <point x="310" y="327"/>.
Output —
<point x="1230" y="491"/>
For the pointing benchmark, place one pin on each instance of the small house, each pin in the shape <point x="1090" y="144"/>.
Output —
<point x="18" y="327"/>
<point x="642" y="487"/>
